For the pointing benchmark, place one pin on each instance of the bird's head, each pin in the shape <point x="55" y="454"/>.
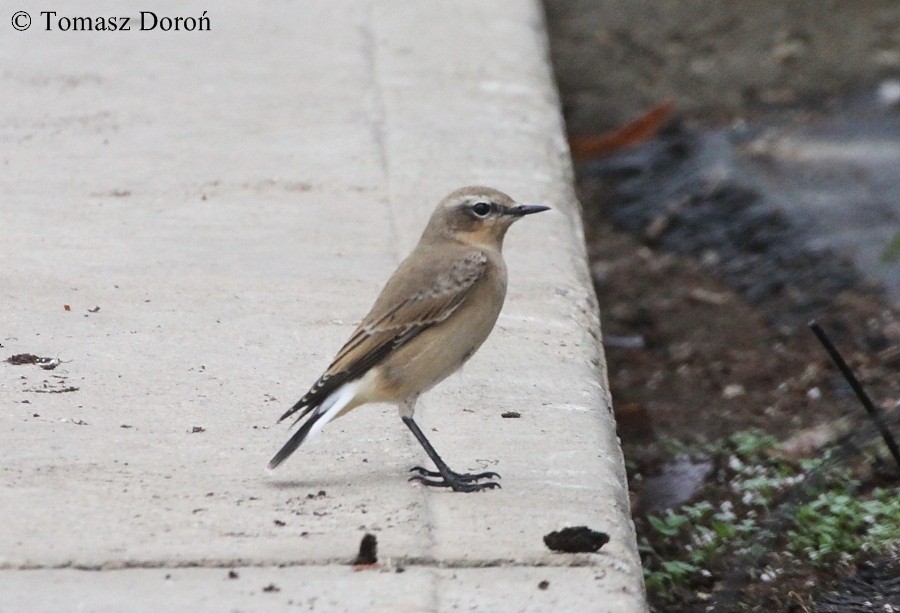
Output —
<point x="477" y="216"/>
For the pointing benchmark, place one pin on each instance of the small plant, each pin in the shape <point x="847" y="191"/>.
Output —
<point x="752" y="443"/>
<point x="686" y="549"/>
<point x="672" y="573"/>
<point x="891" y="253"/>
<point x="837" y="525"/>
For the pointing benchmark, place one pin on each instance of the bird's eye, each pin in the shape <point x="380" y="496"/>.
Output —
<point x="481" y="208"/>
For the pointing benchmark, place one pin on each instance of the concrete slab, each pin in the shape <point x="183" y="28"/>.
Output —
<point x="232" y="201"/>
<point x="386" y="590"/>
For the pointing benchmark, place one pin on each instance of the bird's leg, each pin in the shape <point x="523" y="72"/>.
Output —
<point x="444" y="477"/>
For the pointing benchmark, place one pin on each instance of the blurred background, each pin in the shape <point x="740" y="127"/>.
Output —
<point x="739" y="169"/>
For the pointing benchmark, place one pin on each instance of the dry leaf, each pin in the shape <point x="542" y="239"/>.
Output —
<point x="641" y="129"/>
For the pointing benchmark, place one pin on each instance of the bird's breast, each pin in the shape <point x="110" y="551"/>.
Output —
<point x="442" y="349"/>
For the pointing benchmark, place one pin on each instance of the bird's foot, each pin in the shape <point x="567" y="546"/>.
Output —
<point x="459" y="482"/>
<point x="465" y="477"/>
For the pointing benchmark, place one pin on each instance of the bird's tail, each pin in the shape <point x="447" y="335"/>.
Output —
<point x="324" y="413"/>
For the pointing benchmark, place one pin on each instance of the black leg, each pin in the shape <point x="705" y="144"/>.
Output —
<point x="460" y="482"/>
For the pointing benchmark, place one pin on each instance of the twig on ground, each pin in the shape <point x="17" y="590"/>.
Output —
<point x="857" y="388"/>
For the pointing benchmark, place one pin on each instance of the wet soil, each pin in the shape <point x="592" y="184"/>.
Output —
<point x="699" y="346"/>
<point x="876" y="587"/>
<point x="711" y="359"/>
<point x="693" y="358"/>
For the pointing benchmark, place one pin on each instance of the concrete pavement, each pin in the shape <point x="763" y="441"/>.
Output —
<point x="232" y="201"/>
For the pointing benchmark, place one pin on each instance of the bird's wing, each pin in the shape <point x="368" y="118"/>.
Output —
<point x="416" y="297"/>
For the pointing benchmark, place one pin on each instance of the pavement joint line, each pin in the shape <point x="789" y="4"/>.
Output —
<point x="577" y="561"/>
<point x="379" y="123"/>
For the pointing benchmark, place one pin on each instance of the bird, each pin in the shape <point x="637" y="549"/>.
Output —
<point x="433" y="314"/>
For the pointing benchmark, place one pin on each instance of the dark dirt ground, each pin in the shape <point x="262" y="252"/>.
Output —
<point x="705" y="288"/>
<point x="704" y="307"/>
<point x="702" y="346"/>
<point x="692" y="361"/>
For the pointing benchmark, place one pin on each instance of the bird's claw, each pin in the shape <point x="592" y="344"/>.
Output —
<point x="459" y="482"/>
<point x="465" y="477"/>
<point x="456" y="484"/>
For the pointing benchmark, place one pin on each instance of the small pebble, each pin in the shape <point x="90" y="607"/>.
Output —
<point x="733" y="391"/>
<point x="889" y="93"/>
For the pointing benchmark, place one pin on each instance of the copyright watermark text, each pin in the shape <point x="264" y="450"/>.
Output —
<point x="21" y="20"/>
<point x="51" y="21"/>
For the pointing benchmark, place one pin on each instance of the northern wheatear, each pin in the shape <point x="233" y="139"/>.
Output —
<point x="435" y="311"/>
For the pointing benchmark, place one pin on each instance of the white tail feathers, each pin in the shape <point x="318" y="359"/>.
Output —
<point x="347" y="396"/>
<point x="329" y="409"/>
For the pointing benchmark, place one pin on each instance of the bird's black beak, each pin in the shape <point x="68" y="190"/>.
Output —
<point x="527" y="209"/>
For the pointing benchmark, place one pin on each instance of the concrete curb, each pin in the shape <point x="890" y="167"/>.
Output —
<point x="232" y="209"/>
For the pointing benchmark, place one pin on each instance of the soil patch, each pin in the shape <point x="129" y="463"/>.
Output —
<point x="579" y="539"/>
<point x="21" y="359"/>
<point x="705" y="289"/>
<point x="701" y="347"/>
<point x="368" y="551"/>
